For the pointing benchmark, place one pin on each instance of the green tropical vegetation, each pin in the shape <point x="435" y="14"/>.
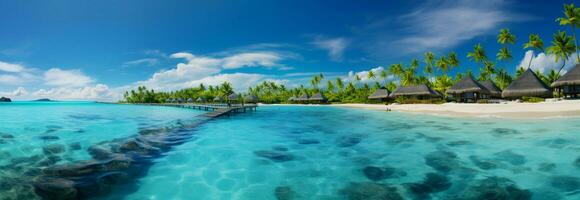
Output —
<point x="432" y="70"/>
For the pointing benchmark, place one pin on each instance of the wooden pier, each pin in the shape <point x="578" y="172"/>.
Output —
<point x="218" y="110"/>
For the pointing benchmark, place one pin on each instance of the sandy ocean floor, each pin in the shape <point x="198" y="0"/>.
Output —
<point x="509" y="110"/>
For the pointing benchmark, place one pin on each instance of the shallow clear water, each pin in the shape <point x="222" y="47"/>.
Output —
<point x="308" y="152"/>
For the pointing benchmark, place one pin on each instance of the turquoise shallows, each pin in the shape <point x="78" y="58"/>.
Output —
<point x="318" y="152"/>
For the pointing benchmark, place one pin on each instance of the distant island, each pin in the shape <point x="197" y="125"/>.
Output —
<point x="5" y="99"/>
<point x="43" y="100"/>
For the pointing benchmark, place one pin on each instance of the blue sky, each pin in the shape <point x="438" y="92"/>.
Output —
<point x="97" y="49"/>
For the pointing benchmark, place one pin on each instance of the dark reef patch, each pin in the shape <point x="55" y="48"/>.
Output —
<point x="485" y="164"/>
<point x="49" y="137"/>
<point x="442" y="161"/>
<point x="565" y="183"/>
<point x="494" y="188"/>
<point x="546" y="167"/>
<point x="510" y="157"/>
<point x="348" y="141"/>
<point x="505" y="132"/>
<point x="459" y="143"/>
<point x="370" y="191"/>
<point x="432" y="183"/>
<point x="284" y="193"/>
<point x="276" y="156"/>
<point x="380" y="173"/>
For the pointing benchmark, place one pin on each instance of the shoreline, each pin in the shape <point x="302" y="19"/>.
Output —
<point x="567" y="108"/>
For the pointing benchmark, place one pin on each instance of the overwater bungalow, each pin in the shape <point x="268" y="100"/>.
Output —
<point x="569" y="84"/>
<point x="468" y="90"/>
<point x="251" y="99"/>
<point x="421" y="91"/>
<point x="494" y="91"/>
<point x="527" y="85"/>
<point x="233" y="97"/>
<point x="381" y="94"/>
<point x="318" y="98"/>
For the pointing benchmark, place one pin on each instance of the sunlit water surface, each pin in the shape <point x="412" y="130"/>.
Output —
<point x="312" y="152"/>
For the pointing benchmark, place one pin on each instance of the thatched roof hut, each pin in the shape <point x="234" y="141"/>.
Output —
<point x="467" y="85"/>
<point x="199" y="99"/>
<point x="381" y="93"/>
<point x="572" y="77"/>
<point x="233" y="97"/>
<point x="317" y="97"/>
<point x="190" y="100"/>
<point x="569" y="83"/>
<point x="179" y="100"/>
<point x="304" y="97"/>
<point x="292" y="99"/>
<point x="494" y="91"/>
<point x="218" y="99"/>
<point x="528" y="84"/>
<point x="251" y="99"/>
<point x="414" y="90"/>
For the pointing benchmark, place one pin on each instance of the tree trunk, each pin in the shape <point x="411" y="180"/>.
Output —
<point x="562" y="66"/>
<point x="530" y="64"/>
<point x="576" y="43"/>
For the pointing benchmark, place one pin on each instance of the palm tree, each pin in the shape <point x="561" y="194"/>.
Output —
<point x="329" y="86"/>
<point x="551" y="77"/>
<point x="504" y="38"/>
<point x="520" y="71"/>
<point x="478" y="54"/>
<point x="429" y="59"/>
<point x="383" y="75"/>
<point x="396" y="69"/>
<point x="442" y="64"/>
<point x="453" y="60"/>
<point x="534" y="43"/>
<point x="340" y="84"/>
<point x="371" y="75"/>
<point x="572" y="18"/>
<point x="503" y="79"/>
<point x="562" y="47"/>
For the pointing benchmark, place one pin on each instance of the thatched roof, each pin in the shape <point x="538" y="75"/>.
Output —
<point x="218" y="98"/>
<point x="251" y="99"/>
<point x="233" y="96"/>
<point x="467" y="84"/>
<point x="381" y="93"/>
<point x="528" y="84"/>
<point x="304" y="97"/>
<point x="199" y="99"/>
<point x="494" y="91"/>
<point x="292" y="99"/>
<point x="317" y="97"/>
<point x="414" y="90"/>
<point x="572" y="77"/>
<point x="190" y="100"/>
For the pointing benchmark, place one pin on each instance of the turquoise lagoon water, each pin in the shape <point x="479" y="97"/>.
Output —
<point x="312" y="152"/>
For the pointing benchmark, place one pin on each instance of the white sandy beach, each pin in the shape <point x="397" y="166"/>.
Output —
<point x="509" y="110"/>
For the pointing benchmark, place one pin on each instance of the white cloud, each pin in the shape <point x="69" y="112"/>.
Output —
<point x="144" y="61"/>
<point x="20" y="91"/>
<point x="97" y="92"/>
<point x="438" y="25"/>
<point x="334" y="46"/>
<point x="545" y="62"/>
<point x="66" y="78"/>
<point x="11" y="67"/>
<point x="198" y="69"/>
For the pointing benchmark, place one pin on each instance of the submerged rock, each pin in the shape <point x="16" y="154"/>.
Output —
<point x="510" y="157"/>
<point x="75" y="146"/>
<point x="53" y="149"/>
<point x="442" y="161"/>
<point x="565" y="183"/>
<point x="484" y="164"/>
<point x="494" y="188"/>
<point x="371" y="191"/>
<point x="275" y="156"/>
<point x="308" y="141"/>
<point x="546" y="167"/>
<point x="557" y="143"/>
<point x="432" y="183"/>
<point x="577" y="162"/>
<point x="505" y="131"/>
<point x="99" y="152"/>
<point x="6" y="135"/>
<point x="459" y="143"/>
<point x="376" y="173"/>
<point x="49" y="137"/>
<point x="348" y="141"/>
<point x="55" y="188"/>
<point x="284" y="193"/>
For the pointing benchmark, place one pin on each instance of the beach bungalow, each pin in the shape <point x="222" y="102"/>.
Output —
<point x="380" y="95"/>
<point x="527" y="85"/>
<point x="199" y="100"/>
<point x="467" y="90"/>
<point x="190" y="100"/>
<point x="251" y="99"/>
<point x="218" y="99"/>
<point x="569" y="84"/>
<point x="303" y="98"/>
<point x="168" y="100"/>
<point x="318" y="98"/>
<point x="421" y="91"/>
<point x="233" y="97"/>
<point x="494" y="91"/>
